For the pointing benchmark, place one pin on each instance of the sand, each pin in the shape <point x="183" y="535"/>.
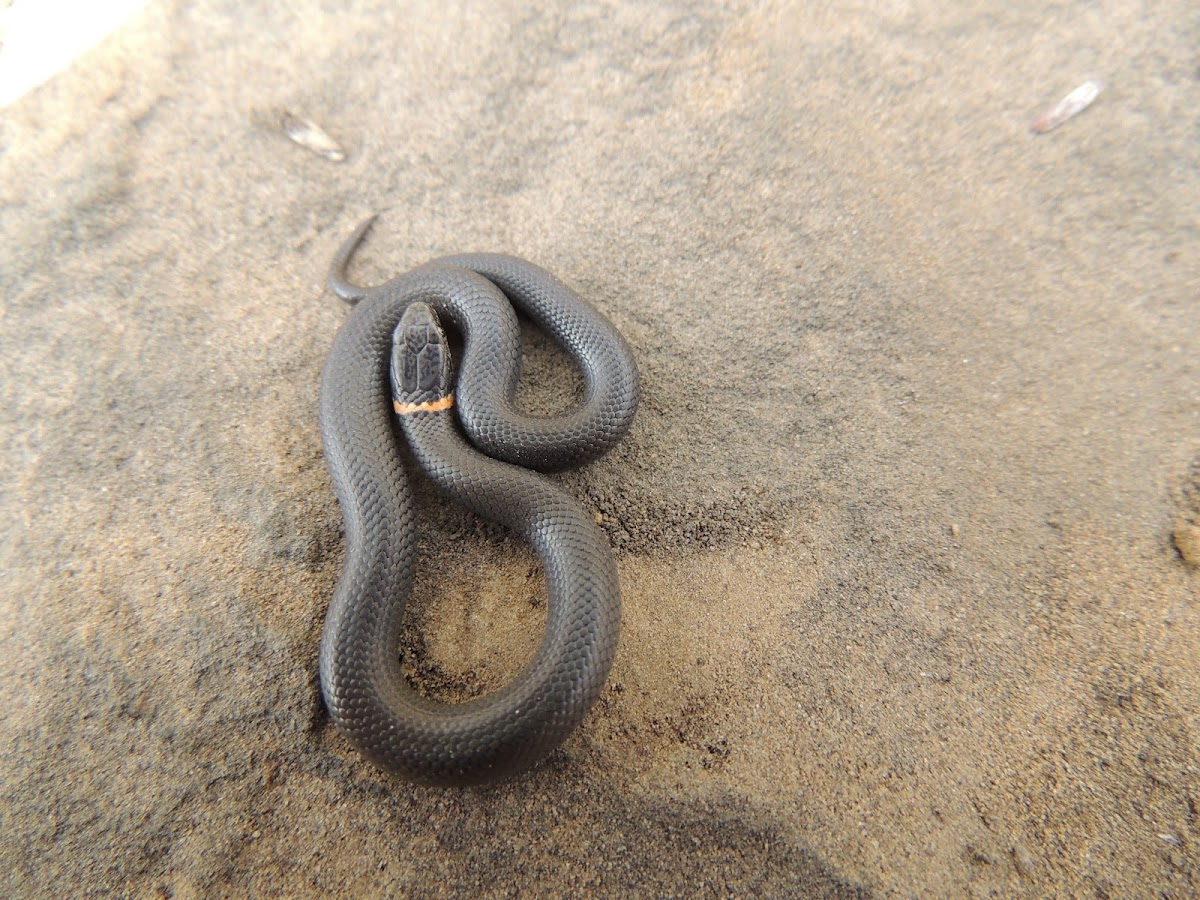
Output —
<point x="903" y="526"/>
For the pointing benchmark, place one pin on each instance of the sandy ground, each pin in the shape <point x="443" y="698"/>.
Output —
<point x="899" y="525"/>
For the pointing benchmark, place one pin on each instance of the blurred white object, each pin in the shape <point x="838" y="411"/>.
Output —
<point x="309" y="134"/>
<point x="1071" y="105"/>
<point x="41" y="37"/>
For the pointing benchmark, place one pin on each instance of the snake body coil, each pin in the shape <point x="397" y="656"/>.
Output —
<point x="361" y="680"/>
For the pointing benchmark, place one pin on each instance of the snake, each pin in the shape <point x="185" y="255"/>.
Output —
<point x="389" y="395"/>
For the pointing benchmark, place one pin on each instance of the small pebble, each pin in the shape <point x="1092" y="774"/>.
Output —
<point x="1023" y="858"/>
<point x="1186" y="538"/>
<point x="1069" y="106"/>
<point x="312" y="136"/>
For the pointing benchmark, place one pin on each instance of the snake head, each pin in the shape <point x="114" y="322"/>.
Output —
<point x="420" y="362"/>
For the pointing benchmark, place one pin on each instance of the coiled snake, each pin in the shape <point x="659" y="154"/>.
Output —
<point x="362" y="420"/>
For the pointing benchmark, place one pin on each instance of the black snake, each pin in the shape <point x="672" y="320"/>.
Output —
<point x="362" y="421"/>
